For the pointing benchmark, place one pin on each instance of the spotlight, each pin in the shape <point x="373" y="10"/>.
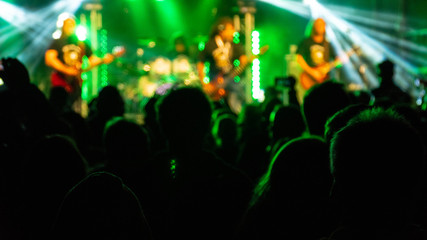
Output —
<point x="81" y="33"/>
<point x="309" y="2"/>
<point x="62" y="17"/>
<point x="56" y="34"/>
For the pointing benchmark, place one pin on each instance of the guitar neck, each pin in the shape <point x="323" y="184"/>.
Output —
<point x="239" y="70"/>
<point x="338" y="61"/>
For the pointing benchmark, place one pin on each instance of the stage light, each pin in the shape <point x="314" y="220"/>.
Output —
<point x="140" y="52"/>
<point x="56" y="34"/>
<point x="255" y="42"/>
<point x="375" y="45"/>
<point x="11" y="13"/>
<point x="81" y="33"/>
<point x="297" y="8"/>
<point x="201" y="46"/>
<point x="104" y="67"/>
<point x="309" y="2"/>
<point x="206" y="79"/>
<point x="236" y="38"/>
<point x="256" y="66"/>
<point x="62" y="17"/>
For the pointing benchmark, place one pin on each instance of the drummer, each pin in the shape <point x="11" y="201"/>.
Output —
<point x="179" y="47"/>
<point x="183" y="64"/>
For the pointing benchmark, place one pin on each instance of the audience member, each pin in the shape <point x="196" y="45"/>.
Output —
<point x="377" y="162"/>
<point x="108" y="104"/>
<point x="224" y="132"/>
<point x="127" y="151"/>
<point x="253" y="141"/>
<point x="291" y="199"/>
<point x="100" y="206"/>
<point x="322" y="101"/>
<point x="51" y="168"/>
<point x="286" y="123"/>
<point x="198" y="194"/>
<point x="388" y="91"/>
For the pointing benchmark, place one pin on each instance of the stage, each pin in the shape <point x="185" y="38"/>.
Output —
<point x="379" y="29"/>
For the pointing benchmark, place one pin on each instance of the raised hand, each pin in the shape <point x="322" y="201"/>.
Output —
<point x="14" y="73"/>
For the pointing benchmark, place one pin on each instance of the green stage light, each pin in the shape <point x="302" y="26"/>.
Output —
<point x="256" y="90"/>
<point x="81" y="33"/>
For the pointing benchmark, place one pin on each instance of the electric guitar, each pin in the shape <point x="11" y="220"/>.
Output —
<point x="69" y="82"/>
<point x="307" y="80"/>
<point x="215" y="89"/>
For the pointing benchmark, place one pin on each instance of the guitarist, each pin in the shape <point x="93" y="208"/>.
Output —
<point x="65" y="56"/>
<point x="314" y="52"/>
<point x="221" y="53"/>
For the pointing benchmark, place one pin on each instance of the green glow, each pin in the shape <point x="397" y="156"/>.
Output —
<point x="173" y="168"/>
<point x="201" y="46"/>
<point x="85" y="77"/>
<point x="236" y="37"/>
<point x="169" y="16"/>
<point x="236" y="63"/>
<point x="104" y="67"/>
<point x="206" y="70"/>
<point x="236" y="79"/>
<point x="256" y="85"/>
<point x="206" y="80"/>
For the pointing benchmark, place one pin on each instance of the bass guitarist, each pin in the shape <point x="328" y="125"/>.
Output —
<point x="313" y="55"/>
<point x="224" y="57"/>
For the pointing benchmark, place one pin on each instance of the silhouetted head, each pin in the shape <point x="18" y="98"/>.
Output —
<point x="341" y="118"/>
<point x="224" y="130"/>
<point x="250" y="122"/>
<point x="321" y="102"/>
<point x="109" y="102"/>
<point x="299" y="171"/>
<point x="376" y="161"/>
<point x="59" y="99"/>
<point x="386" y="71"/>
<point x="15" y="74"/>
<point x="126" y="144"/>
<point x="101" y="206"/>
<point x="184" y="116"/>
<point x="287" y="122"/>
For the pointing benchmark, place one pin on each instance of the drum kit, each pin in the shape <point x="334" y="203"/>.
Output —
<point x="164" y="73"/>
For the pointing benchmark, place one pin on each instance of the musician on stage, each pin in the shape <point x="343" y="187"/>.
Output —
<point x="65" y="56"/>
<point x="221" y="53"/>
<point x="313" y="53"/>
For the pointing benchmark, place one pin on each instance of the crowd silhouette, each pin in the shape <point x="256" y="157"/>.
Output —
<point x="332" y="167"/>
